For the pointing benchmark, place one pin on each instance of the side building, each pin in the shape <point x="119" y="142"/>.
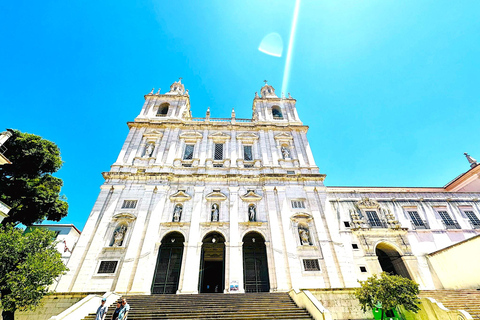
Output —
<point x="233" y="205"/>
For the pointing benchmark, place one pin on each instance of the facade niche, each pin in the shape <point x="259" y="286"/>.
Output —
<point x="277" y="112"/>
<point x="285" y="152"/>
<point x="304" y="235"/>
<point x="215" y="216"/>
<point x="118" y="236"/>
<point x="177" y="213"/>
<point x="252" y="213"/>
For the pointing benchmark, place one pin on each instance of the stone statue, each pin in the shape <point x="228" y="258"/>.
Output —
<point x="118" y="236"/>
<point x="256" y="95"/>
<point x="177" y="213"/>
<point x="252" y="213"/>
<point x="289" y="96"/>
<point x="304" y="236"/>
<point x="285" y="152"/>
<point x="149" y="150"/>
<point x="215" y="213"/>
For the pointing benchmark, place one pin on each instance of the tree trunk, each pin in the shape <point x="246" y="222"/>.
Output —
<point x="8" y="315"/>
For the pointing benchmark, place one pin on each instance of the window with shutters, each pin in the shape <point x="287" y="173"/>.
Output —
<point x="107" y="266"/>
<point x="188" y="154"/>
<point x="298" y="204"/>
<point x="247" y="153"/>
<point x="474" y="221"/>
<point x="311" y="265"/>
<point x="418" y="223"/>
<point x="373" y="219"/>
<point x="218" y="152"/>
<point x="129" y="204"/>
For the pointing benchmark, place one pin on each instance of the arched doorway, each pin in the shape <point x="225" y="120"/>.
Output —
<point x="255" y="266"/>
<point x="212" y="264"/>
<point x="391" y="261"/>
<point x="169" y="264"/>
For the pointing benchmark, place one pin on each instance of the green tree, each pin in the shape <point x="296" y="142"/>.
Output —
<point x="27" y="185"/>
<point x="29" y="263"/>
<point x="388" y="291"/>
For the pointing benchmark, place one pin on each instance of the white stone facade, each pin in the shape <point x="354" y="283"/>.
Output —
<point x="217" y="184"/>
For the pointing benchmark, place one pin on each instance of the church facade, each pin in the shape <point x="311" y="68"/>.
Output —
<point x="232" y="205"/>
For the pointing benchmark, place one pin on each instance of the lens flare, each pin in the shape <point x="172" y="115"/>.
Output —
<point x="286" y="72"/>
<point x="272" y="44"/>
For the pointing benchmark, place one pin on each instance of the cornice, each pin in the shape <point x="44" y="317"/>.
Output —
<point x="245" y="126"/>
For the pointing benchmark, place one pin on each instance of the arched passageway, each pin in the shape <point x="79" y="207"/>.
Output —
<point x="255" y="266"/>
<point x="169" y="264"/>
<point x="212" y="264"/>
<point x="391" y="261"/>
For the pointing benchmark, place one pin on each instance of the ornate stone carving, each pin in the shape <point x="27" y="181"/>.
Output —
<point x="367" y="203"/>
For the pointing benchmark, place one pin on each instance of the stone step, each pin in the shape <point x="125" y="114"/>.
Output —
<point x="212" y="306"/>
<point x="468" y="300"/>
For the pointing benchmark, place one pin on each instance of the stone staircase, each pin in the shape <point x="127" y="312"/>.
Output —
<point x="212" y="306"/>
<point x="468" y="300"/>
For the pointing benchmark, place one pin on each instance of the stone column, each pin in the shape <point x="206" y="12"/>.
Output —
<point x="236" y="263"/>
<point x="280" y="253"/>
<point x="299" y="147"/>
<point x="194" y="247"/>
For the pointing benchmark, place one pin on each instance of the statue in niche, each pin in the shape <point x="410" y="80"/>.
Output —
<point x="304" y="236"/>
<point x="149" y="149"/>
<point x="215" y="213"/>
<point x="177" y="213"/>
<point x="285" y="152"/>
<point x="252" y="213"/>
<point x="119" y="236"/>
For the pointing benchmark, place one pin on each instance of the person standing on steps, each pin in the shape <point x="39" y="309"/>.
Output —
<point x="122" y="315"/>
<point x="117" y="310"/>
<point x="101" y="311"/>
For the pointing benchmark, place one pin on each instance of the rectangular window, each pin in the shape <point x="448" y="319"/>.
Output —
<point x="298" y="204"/>
<point x="107" y="266"/>
<point x="416" y="220"/>
<point x="363" y="269"/>
<point x="346" y="224"/>
<point x="247" y="153"/>
<point x="354" y="246"/>
<point x="290" y="172"/>
<point x="188" y="154"/>
<point x="129" y="204"/>
<point x="311" y="265"/>
<point x="447" y="220"/>
<point x="373" y="219"/>
<point x="473" y="218"/>
<point x="218" y="155"/>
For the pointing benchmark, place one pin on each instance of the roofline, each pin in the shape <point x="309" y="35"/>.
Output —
<point x="453" y="245"/>
<point x="56" y="225"/>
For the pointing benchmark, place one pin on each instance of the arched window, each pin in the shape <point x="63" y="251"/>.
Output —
<point x="163" y="110"/>
<point x="177" y="213"/>
<point x="118" y="236"/>
<point x="277" y="112"/>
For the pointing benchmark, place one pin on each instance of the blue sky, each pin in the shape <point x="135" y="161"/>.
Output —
<point x="390" y="89"/>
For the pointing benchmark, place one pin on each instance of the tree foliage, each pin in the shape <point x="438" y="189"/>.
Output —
<point x="389" y="291"/>
<point x="29" y="263"/>
<point x="27" y="185"/>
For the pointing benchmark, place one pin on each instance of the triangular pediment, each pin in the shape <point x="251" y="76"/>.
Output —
<point x="251" y="196"/>
<point x="180" y="196"/>
<point x="247" y="136"/>
<point x="219" y="135"/>
<point x="284" y="136"/>
<point x="191" y="135"/>
<point x="215" y="196"/>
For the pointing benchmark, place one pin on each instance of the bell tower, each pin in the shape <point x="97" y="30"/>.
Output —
<point x="172" y="105"/>
<point x="268" y="107"/>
